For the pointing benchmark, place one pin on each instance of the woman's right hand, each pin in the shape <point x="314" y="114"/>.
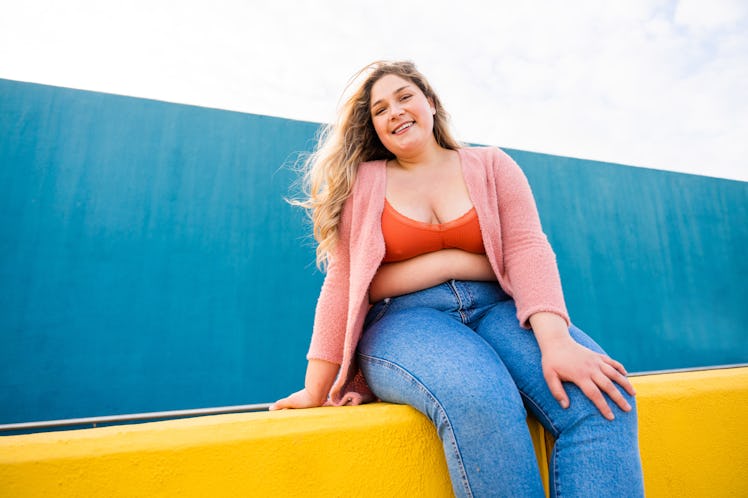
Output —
<point x="320" y="375"/>
<point x="299" y="399"/>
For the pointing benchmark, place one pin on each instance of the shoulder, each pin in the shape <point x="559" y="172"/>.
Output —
<point x="369" y="174"/>
<point x="371" y="169"/>
<point x="368" y="185"/>
<point x="487" y="156"/>
<point x="491" y="162"/>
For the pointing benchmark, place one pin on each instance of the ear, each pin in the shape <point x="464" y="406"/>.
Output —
<point x="432" y="105"/>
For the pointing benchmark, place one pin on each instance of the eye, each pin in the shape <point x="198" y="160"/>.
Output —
<point x="378" y="111"/>
<point x="407" y="96"/>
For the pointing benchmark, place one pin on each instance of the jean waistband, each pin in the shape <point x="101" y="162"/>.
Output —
<point x="453" y="295"/>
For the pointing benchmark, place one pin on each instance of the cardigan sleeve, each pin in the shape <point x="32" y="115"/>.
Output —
<point x="529" y="260"/>
<point x="328" y="334"/>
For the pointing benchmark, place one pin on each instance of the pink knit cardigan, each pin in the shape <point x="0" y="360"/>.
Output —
<point x="515" y="244"/>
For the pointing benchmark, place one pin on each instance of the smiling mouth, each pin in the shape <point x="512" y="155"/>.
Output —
<point x="403" y="127"/>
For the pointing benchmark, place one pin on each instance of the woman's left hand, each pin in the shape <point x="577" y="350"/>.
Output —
<point x="593" y="372"/>
<point x="565" y="360"/>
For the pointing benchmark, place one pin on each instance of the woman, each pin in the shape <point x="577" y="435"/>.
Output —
<point x="442" y="293"/>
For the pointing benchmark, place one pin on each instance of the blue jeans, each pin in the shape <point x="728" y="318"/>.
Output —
<point x="456" y="353"/>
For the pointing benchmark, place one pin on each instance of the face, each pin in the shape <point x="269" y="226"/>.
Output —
<point x="402" y="115"/>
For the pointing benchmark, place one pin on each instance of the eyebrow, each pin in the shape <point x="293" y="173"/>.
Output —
<point x="393" y="93"/>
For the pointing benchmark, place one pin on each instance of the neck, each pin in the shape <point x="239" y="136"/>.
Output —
<point x="429" y="155"/>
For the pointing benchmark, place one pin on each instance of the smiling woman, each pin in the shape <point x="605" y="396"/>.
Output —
<point x="436" y="267"/>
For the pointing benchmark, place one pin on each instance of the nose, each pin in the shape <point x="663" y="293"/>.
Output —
<point x="395" y="110"/>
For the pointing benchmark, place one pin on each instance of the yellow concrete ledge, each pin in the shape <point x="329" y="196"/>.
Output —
<point x="372" y="450"/>
<point x="692" y="431"/>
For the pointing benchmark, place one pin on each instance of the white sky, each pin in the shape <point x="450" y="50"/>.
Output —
<point x="653" y="83"/>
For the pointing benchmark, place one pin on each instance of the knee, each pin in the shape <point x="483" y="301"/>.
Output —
<point x="624" y="417"/>
<point x="587" y="416"/>
<point x="628" y="419"/>
<point x="480" y="419"/>
<point x="481" y="403"/>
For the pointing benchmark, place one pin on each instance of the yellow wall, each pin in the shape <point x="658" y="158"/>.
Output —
<point x="693" y="443"/>
<point x="693" y="432"/>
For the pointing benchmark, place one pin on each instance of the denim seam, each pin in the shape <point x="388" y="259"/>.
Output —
<point x="528" y="399"/>
<point x="410" y="377"/>
<point x="453" y="288"/>
<point x="556" y="433"/>
<point x="385" y="306"/>
<point x="473" y="302"/>
<point x="556" y="479"/>
<point x="469" y="292"/>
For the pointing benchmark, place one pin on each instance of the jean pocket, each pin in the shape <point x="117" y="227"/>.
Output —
<point x="376" y="312"/>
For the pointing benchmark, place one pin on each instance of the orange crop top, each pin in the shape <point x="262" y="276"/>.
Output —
<point x="405" y="238"/>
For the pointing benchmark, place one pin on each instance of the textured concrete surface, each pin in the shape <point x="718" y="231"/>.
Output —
<point x="692" y="432"/>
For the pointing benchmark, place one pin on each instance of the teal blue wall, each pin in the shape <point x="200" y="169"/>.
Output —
<point x="653" y="263"/>
<point x="149" y="262"/>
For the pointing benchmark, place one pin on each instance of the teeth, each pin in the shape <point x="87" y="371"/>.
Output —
<point x="403" y="127"/>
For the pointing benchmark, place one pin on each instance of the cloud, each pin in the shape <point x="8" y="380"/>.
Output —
<point x="712" y="15"/>
<point x="652" y="83"/>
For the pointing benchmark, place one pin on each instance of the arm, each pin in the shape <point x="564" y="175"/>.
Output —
<point x="564" y="359"/>
<point x="530" y="270"/>
<point x="326" y="347"/>
<point x="533" y="280"/>
<point x="427" y="270"/>
<point x="320" y="375"/>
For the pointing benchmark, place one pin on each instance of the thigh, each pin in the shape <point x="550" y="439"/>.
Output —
<point x="432" y="351"/>
<point x="429" y="360"/>
<point x="520" y="353"/>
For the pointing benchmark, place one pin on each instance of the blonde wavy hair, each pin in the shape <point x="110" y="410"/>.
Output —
<point x="330" y="170"/>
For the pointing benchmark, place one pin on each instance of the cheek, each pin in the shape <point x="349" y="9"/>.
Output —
<point x="380" y="126"/>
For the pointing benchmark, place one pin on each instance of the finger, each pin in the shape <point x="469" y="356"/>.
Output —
<point x="619" y="379"/>
<point x="590" y="389"/>
<point x="557" y="389"/>
<point x="279" y="405"/>
<point x="609" y="388"/>
<point x="615" y="364"/>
